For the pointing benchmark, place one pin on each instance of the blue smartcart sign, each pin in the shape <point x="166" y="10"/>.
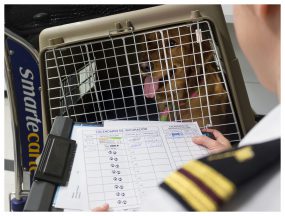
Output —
<point x="25" y="84"/>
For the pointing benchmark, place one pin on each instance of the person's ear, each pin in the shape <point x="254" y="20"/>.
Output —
<point x="269" y="14"/>
<point x="265" y="10"/>
<point x="261" y="10"/>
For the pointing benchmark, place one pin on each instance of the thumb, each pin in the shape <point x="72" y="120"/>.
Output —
<point x="205" y="141"/>
<point x="104" y="207"/>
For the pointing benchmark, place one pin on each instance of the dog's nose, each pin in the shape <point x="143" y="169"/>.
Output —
<point x="146" y="66"/>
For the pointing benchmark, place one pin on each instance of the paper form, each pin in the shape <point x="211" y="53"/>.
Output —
<point x="120" y="165"/>
<point x="71" y="196"/>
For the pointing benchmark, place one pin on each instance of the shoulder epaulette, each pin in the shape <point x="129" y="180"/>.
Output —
<point x="206" y="184"/>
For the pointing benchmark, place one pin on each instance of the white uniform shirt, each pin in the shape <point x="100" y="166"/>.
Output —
<point x="261" y="195"/>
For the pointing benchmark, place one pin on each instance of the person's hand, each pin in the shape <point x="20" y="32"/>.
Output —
<point x="214" y="146"/>
<point x="103" y="208"/>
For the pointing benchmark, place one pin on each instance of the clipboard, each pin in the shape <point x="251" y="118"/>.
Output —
<point x="54" y="166"/>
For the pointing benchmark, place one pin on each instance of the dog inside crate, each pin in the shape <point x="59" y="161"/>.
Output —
<point x="167" y="74"/>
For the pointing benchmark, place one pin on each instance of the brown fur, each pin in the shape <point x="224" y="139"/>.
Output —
<point x="183" y="81"/>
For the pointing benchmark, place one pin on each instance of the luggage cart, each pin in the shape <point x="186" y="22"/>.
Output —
<point x="105" y="69"/>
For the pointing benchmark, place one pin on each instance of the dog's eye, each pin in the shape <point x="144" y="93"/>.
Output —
<point x="172" y="42"/>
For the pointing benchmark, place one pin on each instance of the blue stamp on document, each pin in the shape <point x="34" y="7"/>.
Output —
<point x="177" y="134"/>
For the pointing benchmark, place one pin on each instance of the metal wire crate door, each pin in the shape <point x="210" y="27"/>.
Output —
<point x="172" y="74"/>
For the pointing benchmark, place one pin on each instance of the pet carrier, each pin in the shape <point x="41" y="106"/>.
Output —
<point x="173" y="63"/>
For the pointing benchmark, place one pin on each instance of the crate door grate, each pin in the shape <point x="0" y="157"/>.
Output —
<point x="171" y="73"/>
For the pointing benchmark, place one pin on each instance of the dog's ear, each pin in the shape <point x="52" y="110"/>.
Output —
<point x="208" y="58"/>
<point x="196" y="59"/>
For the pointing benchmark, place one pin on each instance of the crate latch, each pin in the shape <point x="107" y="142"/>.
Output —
<point x="119" y="28"/>
<point x="195" y="14"/>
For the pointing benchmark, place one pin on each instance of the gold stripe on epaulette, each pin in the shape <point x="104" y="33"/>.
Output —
<point x="244" y="154"/>
<point x="240" y="155"/>
<point x="222" y="186"/>
<point x="189" y="192"/>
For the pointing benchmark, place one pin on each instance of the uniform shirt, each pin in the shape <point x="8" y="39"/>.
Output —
<point x="261" y="195"/>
